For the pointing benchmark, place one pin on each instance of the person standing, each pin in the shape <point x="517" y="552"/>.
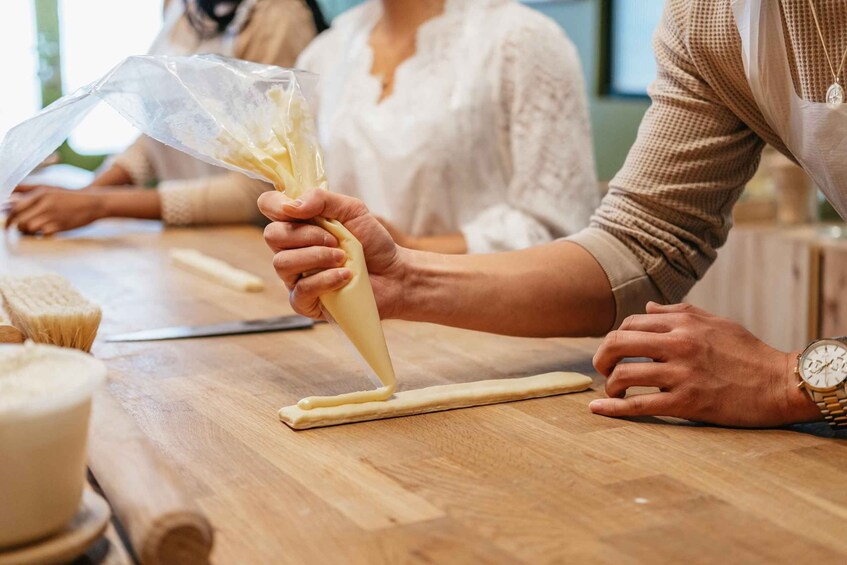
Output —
<point x="732" y="76"/>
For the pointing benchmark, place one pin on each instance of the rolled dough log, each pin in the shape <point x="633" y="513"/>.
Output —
<point x="216" y="270"/>
<point x="436" y="399"/>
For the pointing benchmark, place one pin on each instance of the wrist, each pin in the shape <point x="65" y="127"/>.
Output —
<point x="102" y="204"/>
<point x="798" y="406"/>
<point x="423" y="277"/>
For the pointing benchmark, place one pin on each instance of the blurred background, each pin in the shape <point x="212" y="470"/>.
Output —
<point x="52" y="47"/>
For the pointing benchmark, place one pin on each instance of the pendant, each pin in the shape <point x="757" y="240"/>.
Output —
<point x="835" y="96"/>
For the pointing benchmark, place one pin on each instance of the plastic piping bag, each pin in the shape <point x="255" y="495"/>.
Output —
<point x="244" y="116"/>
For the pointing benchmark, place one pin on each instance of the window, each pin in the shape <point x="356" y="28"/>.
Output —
<point x="95" y="35"/>
<point x="629" y="64"/>
<point x="19" y="64"/>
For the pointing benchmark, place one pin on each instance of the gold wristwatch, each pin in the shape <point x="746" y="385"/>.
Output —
<point x="822" y="368"/>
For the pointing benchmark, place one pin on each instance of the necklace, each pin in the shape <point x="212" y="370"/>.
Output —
<point x="835" y="92"/>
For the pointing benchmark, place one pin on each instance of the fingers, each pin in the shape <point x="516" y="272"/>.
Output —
<point x="36" y="224"/>
<point x="287" y="235"/>
<point x="655" y="404"/>
<point x="654" y="322"/>
<point x="305" y="296"/>
<point x="619" y="345"/>
<point x="24" y="188"/>
<point x="681" y="308"/>
<point x="292" y="263"/>
<point x="627" y="375"/>
<point x="26" y="211"/>
<point x="312" y="204"/>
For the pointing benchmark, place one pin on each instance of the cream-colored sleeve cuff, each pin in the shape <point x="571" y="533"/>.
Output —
<point x="135" y="162"/>
<point x="229" y="198"/>
<point x="631" y="285"/>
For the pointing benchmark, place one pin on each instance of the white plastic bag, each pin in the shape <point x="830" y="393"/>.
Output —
<point x="203" y="105"/>
<point x="247" y="117"/>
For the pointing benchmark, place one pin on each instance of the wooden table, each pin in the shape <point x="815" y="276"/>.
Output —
<point x="534" y="481"/>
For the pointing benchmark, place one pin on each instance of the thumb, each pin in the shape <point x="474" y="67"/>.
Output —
<point x="325" y="204"/>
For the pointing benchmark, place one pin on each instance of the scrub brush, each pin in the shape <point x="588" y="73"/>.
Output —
<point x="47" y="309"/>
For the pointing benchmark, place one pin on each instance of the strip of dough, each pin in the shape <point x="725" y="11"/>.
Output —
<point x="436" y="399"/>
<point x="216" y="270"/>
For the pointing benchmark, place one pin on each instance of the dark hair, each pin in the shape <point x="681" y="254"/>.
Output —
<point x="222" y="22"/>
<point x="317" y="15"/>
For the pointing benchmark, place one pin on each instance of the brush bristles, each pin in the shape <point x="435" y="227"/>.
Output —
<point x="47" y="309"/>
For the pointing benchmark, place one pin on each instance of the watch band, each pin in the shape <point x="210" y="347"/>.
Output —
<point x="833" y="406"/>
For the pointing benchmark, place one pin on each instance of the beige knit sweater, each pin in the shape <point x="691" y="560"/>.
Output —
<point x="668" y="210"/>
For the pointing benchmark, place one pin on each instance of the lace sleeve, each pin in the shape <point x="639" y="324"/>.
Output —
<point x="553" y="188"/>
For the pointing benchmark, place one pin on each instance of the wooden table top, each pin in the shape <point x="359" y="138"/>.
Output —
<point x="534" y="481"/>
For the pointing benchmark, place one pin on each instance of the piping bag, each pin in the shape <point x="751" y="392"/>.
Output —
<point x="247" y="117"/>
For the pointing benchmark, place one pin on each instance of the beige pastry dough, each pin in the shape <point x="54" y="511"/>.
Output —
<point x="437" y="398"/>
<point x="216" y="270"/>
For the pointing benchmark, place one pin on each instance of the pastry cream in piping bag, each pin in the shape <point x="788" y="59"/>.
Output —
<point x="286" y="152"/>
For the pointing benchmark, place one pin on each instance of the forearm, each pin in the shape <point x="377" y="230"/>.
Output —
<point x="130" y="203"/>
<point x="557" y="289"/>
<point x="451" y="243"/>
<point x="113" y="176"/>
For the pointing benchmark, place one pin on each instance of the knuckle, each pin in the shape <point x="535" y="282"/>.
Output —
<point x="622" y="372"/>
<point x="282" y="262"/>
<point x="270" y="232"/>
<point x="630" y="321"/>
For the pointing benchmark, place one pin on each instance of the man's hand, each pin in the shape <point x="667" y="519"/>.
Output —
<point x="707" y="369"/>
<point x="308" y="259"/>
<point x="47" y="210"/>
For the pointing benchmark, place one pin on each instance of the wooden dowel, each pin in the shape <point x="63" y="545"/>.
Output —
<point x="164" y="525"/>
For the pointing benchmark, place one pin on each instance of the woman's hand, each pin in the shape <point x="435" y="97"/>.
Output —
<point x="302" y="247"/>
<point x="47" y="210"/>
<point x="707" y="369"/>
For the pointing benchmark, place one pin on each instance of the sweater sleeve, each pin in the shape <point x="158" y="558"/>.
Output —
<point x="229" y="198"/>
<point x="669" y="209"/>
<point x="136" y="163"/>
<point x="552" y="189"/>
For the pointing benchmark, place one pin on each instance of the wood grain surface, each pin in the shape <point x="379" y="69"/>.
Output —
<point x="537" y="481"/>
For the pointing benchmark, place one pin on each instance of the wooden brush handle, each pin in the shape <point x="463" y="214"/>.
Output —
<point x="163" y="523"/>
<point x="10" y="334"/>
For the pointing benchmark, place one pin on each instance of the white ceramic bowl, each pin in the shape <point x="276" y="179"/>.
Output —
<point x="45" y="403"/>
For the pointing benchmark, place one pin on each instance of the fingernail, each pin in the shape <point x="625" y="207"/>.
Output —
<point x="294" y="203"/>
<point x="345" y="274"/>
<point x="339" y="256"/>
<point x="596" y="405"/>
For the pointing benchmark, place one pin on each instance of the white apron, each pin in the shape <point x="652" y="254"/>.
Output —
<point x="814" y="133"/>
<point x="175" y="38"/>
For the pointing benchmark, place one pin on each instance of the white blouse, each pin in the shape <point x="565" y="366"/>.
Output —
<point x="486" y="131"/>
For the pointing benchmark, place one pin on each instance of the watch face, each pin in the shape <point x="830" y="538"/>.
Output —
<point x="824" y="364"/>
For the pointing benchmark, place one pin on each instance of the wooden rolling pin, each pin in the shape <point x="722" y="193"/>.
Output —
<point x="164" y="525"/>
